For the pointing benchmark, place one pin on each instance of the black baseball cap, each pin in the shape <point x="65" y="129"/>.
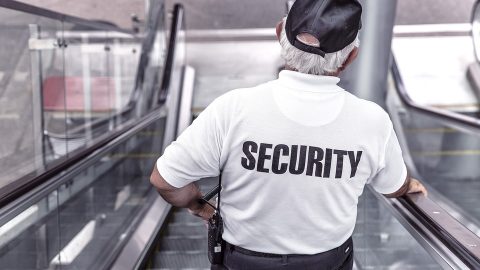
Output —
<point x="335" y="23"/>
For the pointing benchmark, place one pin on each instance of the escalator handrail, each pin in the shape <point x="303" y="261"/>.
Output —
<point x="459" y="239"/>
<point x="178" y="24"/>
<point x="151" y="28"/>
<point x="38" y="11"/>
<point x="79" y="132"/>
<point x="435" y="244"/>
<point x="11" y="193"/>
<point x="461" y="121"/>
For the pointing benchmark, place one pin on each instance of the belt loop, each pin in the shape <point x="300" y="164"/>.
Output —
<point x="347" y="246"/>
<point x="284" y="259"/>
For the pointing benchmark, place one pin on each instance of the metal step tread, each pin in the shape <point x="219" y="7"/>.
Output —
<point x="183" y="243"/>
<point x="182" y="259"/>
<point x="185" y="229"/>
<point x="206" y="268"/>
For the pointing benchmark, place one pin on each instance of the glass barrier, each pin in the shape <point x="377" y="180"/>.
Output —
<point x="381" y="242"/>
<point x="81" y="224"/>
<point x="22" y="149"/>
<point x="475" y="20"/>
<point x="64" y="86"/>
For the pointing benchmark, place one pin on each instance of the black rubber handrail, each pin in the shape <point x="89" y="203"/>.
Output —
<point x="177" y="25"/>
<point x="455" y="236"/>
<point x="22" y="186"/>
<point x="79" y="131"/>
<point x="34" y="10"/>
<point x="151" y="27"/>
<point x="450" y="231"/>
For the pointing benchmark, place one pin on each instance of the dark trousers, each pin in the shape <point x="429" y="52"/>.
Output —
<point x="340" y="258"/>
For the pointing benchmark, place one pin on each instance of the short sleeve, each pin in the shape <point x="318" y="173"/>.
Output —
<point x="393" y="172"/>
<point x="196" y="152"/>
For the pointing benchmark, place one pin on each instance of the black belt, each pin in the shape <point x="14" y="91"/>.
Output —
<point x="272" y="255"/>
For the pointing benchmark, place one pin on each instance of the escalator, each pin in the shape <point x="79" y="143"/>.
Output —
<point x="182" y="242"/>
<point x="100" y="212"/>
<point x="380" y="240"/>
<point x="84" y="193"/>
<point x="389" y="234"/>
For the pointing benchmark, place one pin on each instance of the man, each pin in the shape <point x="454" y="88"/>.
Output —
<point x="295" y="153"/>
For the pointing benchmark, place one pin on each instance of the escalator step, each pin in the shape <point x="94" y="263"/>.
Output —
<point x="184" y="216"/>
<point x="176" y="268"/>
<point x="184" y="243"/>
<point x="381" y="240"/>
<point x="184" y="259"/>
<point x="370" y="259"/>
<point x="186" y="229"/>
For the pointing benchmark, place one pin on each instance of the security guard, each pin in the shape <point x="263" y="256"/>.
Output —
<point x="295" y="153"/>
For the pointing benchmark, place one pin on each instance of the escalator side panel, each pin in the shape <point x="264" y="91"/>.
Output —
<point x="84" y="219"/>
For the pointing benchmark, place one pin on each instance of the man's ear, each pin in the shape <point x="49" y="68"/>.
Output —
<point x="353" y="54"/>
<point x="279" y="29"/>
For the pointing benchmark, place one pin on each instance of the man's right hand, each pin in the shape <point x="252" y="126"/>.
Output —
<point x="411" y="185"/>
<point x="415" y="187"/>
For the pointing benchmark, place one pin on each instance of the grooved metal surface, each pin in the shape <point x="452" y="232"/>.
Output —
<point x="183" y="243"/>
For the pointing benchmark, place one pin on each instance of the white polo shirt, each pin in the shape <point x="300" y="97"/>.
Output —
<point x="295" y="154"/>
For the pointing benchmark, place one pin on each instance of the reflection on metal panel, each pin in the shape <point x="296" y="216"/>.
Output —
<point x="122" y="197"/>
<point x="76" y="245"/>
<point x="19" y="223"/>
<point x="185" y="110"/>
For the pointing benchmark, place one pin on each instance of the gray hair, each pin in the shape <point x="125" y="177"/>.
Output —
<point x="309" y="63"/>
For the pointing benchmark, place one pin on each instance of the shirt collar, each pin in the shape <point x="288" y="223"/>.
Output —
<point x="307" y="82"/>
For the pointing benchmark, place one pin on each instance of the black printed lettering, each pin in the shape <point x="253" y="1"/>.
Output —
<point x="262" y="156"/>
<point x="248" y="162"/>
<point x="299" y="156"/>
<point x="354" y="161"/>
<point x="298" y="159"/>
<point x="339" y="170"/>
<point x="279" y="150"/>
<point x="315" y="157"/>
<point x="328" y="163"/>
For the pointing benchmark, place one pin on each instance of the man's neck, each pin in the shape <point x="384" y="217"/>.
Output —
<point x="335" y="74"/>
